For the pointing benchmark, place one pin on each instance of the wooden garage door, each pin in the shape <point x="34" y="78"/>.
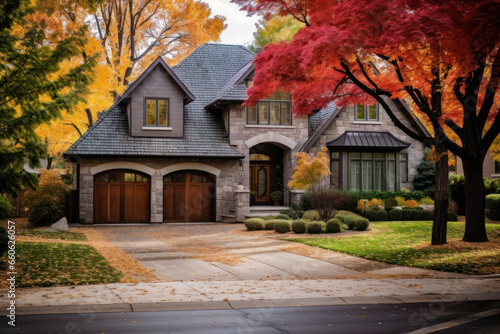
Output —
<point x="121" y="196"/>
<point x="188" y="196"/>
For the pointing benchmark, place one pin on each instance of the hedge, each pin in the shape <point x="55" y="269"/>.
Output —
<point x="299" y="226"/>
<point x="315" y="227"/>
<point x="282" y="226"/>
<point x="254" y="224"/>
<point x="376" y="215"/>
<point x="493" y="206"/>
<point x="333" y="226"/>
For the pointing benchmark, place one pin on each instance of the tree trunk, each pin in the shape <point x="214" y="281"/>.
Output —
<point x="475" y="228"/>
<point x="439" y="224"/>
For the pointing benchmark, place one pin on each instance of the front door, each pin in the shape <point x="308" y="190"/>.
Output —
<point x="260" y="181"/>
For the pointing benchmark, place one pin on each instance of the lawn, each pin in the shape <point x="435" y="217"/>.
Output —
<point x="48" y="264"/>
<point x="408" y="243"/>
<point x="71" y="236"/>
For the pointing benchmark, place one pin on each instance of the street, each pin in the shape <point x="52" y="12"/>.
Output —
<point x="458" y="317"/>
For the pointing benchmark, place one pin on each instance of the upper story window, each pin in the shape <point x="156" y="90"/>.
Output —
<point x="275" y="110"/>
<point x="157" y="112"/>
<point x="497" y="167"/>
<point x="366" y="113"/>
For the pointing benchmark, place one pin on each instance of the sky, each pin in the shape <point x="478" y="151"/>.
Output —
<point x="240" y="27"/>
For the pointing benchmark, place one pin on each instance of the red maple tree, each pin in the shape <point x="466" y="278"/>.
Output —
<point x="439" y="57"/>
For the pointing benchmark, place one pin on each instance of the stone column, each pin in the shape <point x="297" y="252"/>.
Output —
<point x="296" y="196"/>
<point x="242" y="201"/>
<point x="157" y="198"/>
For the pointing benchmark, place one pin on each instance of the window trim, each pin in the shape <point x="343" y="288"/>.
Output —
<point x="268" y="102"/>
<point x="162" y="127"/>
<point x="340" y="183"/>
<point x="367" y="113"/>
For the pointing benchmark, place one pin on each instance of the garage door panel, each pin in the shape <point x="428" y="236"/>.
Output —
<point x="114" y="203"/>
<point x="141" y="202"/>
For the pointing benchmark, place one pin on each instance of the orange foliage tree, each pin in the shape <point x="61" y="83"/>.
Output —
<point x="441" y="57"/>
<point x="310" y="172"/>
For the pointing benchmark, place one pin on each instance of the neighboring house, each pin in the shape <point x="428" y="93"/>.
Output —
<point x="491" y="168"/>
<point x="179" y="146"/>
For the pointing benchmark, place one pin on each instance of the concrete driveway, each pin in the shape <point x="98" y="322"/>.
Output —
<point x="222" y="252"/>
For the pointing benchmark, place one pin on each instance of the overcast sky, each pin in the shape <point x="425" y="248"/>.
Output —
<point x="240" y="27"/>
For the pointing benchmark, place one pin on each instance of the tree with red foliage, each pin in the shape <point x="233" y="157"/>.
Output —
<point x="440" y="57"/>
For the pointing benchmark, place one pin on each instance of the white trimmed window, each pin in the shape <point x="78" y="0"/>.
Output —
<point x="366" y="113"/>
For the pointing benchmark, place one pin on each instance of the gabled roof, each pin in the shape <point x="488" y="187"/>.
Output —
<point x="235" y="89"/>
<point x="318" y="124"/>
<point x="367" y="140"/>
<point x="203" y="72"/>
<point x="158" y="61"/>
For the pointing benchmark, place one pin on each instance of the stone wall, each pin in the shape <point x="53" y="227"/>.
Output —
<point x="226" y="183"/>
<point x="345" y="122"/>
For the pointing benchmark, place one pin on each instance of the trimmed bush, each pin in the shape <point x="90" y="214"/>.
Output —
<point x="269" y="224"/>
<point x="377" y="215"/>
<point x="282" y="216"/>
<point x="396" y="214"/>
<point x="425" y="215"/>
<point x="361" y="224"/>
<point x="419" y="208"/>
<point x="333" y="226"/>
<point x="281" y="226"/>
<point x="6" y="210"/>
<point x="407" y="213"/>
<point x="311" y="215"/>
<point x="493" y="206"/>
<point x="426" y="201"/>
<point x="452" y="216"/>
<point x="254" y="224"/>
<point x="349" y="221"/>
<point x="315" y="227"/>
<point x="4" y="241"/>
<point x="305" y="201"/>
<point x="400" y="200"/>
<point x="269" y="217"/>
<point x="390" y="203"/>
<point x="299" y="226"/>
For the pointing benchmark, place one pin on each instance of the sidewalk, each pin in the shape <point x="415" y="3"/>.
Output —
<point x="247" y="294"/>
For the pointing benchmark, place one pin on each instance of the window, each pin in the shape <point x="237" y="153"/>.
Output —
<point x="403" y="166"/>
<point x="372" y="171"/>
<point x="497" y="167"/>
<point x="259" y="157"/>
<point x="270" y="113"/>
<point x="335" y="169"/>
<point x="156" y="112"/>
<point x="366" y="113"/>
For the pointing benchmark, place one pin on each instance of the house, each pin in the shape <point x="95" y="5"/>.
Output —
<point x="178" y="146"/>
<point x="491" y="168"/>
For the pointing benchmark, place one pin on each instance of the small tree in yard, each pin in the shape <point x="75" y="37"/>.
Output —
<point x="326" y="202"/>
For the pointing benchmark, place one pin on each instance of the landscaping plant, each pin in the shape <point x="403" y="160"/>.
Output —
<point x="254" y="224"/>
<point x="333" y="226"/>
<point x="299" y="226"/>
<point x="282" y="226"/>
<point x="315" y="227"/>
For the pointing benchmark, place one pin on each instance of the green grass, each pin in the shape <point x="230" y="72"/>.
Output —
<point x="48" y="264"/>
<point x="395" y="242"/>
<point x="71" y="236"/>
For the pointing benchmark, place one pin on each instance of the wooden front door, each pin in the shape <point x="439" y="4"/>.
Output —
<point x="260" y="181"/>
<point x="121" y="196"/>
<point x="188" y="196"/>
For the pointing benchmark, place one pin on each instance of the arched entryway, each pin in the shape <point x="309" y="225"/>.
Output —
<point x="121" y="196"/>
<point x="266" y="172"/>
<point x="188" y="196"/>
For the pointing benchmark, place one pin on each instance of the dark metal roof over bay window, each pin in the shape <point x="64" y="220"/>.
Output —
<point x="364" y="140"/>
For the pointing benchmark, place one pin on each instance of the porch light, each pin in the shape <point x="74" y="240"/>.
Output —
<point x="365" y="200"/>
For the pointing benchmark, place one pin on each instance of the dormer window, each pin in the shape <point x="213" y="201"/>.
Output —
<point x="157" y="112"/>
<point x="275" y="110"/>
<point x="366" y="113"/>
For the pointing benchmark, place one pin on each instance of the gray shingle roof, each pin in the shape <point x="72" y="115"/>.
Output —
<point x="234" y="90"/>
<point x="367" y="140"/>
<point x="203" y="72"/>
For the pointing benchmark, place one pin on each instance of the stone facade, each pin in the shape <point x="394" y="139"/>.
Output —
<point x="226" y="181"/>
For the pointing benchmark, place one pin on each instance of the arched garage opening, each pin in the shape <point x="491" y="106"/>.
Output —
<point x="121" y="196"/>
<point x="188" y="196"/>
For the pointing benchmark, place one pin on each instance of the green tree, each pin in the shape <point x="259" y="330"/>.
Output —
<point x="425" y="180"/>
<point x="34" y="89"/>
<point x="275" y="30"/>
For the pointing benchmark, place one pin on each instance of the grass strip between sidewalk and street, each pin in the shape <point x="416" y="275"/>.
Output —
<point x="70" y="236"/>
<point x="408" y="244"/>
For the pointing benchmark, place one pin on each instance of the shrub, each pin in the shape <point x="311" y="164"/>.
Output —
<point x="424" y="180"/>
<point x="411" y="203"/>
<point x="276" y="195"/>
<point x="299" y="226"/>
<point x="281" y="226"/>
<point x="372" y="204"/>
<point x="46" y="204"/>
<point x="294" y="213"/>
<point x="4" y="241"/>
<point x="6" y="210"/>
<point x="418" y="208"/>
<point x="453" y="206"/>
<point x="407" y="214"/>
<point x="457" y="192"/>
<point x="333" y="226"/>
<point x="268" y="217"/>
<point x="282" y="216"/>
<point x="396" y="214"/>
<point x="377" y="215"/>
<point x="254" y="224"/>
<point x="349" y="221"/>
<point x="326" y="203"/>
<point x="311" y="215"/>
<point x="493" y="206"/>
<point x="426" y="201"/>
<point x="390" y="203"/>
<point x="400" y="200"/>
<point x="305" y="201"/>
<point x="452" y="216"/>
<point x="269" y="224"/>
<point x="315" y="227"/>
<point x="362" y="224"/>
<point x="425" y="215"/>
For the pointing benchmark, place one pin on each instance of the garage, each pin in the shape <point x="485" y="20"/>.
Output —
<point x="121" y="196"/>
<point x="188" y="196"/>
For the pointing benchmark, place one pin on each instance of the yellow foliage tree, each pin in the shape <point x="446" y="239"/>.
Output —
<point x="128" y="35"/>
<point x="310" y="172"/>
